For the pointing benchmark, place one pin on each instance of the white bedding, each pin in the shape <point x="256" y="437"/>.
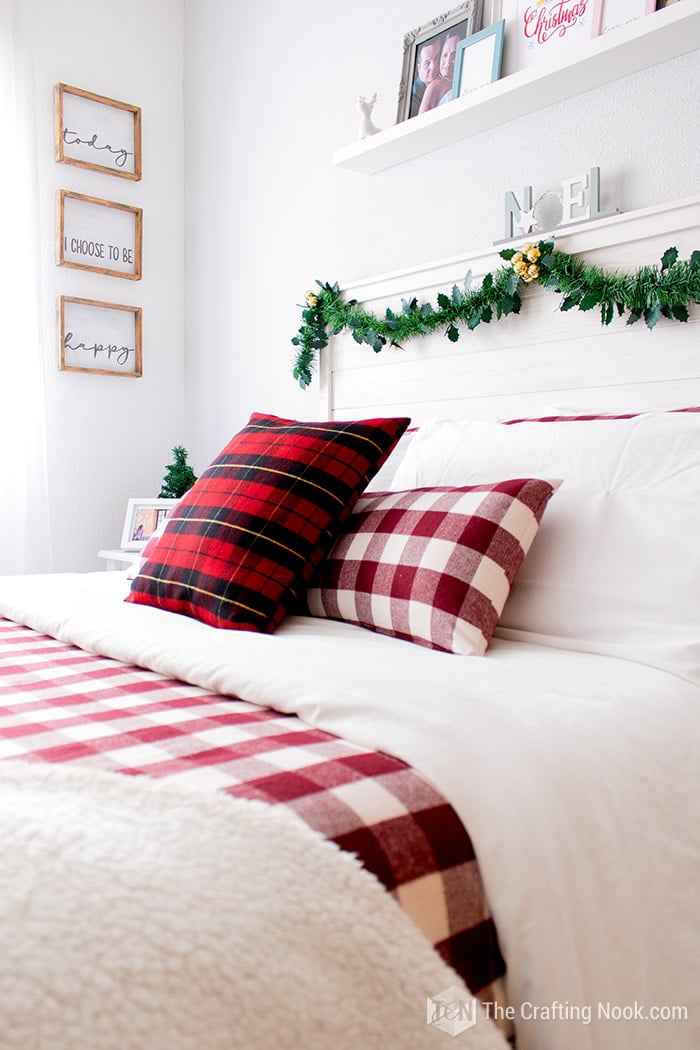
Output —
<point x="576" y="776"/>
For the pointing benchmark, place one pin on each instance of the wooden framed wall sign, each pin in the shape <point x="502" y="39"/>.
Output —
<point x="96" y="132"/>
<point x="99" y="235"/>
<point x="99" y="337"/>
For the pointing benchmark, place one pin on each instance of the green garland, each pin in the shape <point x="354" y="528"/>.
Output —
<point x="649" y="293"/>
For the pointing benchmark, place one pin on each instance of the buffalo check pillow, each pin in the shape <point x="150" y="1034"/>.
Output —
<point x="241" y="545"/>
<point x="432" y="566"/>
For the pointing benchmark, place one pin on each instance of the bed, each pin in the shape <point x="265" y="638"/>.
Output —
<point x="382" y="819"/>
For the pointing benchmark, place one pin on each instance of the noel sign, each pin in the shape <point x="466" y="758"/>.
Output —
<point x="577" y="201"/>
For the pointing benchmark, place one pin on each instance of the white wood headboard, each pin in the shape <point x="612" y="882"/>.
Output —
<point x="541" y="359"/>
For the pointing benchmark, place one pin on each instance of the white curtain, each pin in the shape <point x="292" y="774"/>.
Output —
<point x="24" y="521"/>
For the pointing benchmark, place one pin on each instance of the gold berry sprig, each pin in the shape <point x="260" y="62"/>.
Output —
<point x="525" y="262"/>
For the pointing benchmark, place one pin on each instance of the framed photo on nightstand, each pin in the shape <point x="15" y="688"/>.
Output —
<point x="143" y="518"/>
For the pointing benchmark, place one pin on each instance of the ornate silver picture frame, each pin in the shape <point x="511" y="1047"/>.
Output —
<point x="429" y="56"/>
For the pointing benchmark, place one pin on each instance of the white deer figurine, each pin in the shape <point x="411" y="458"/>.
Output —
<point x="365" y="106"/>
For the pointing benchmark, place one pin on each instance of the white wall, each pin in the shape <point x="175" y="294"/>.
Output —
<point x="110" y="438"/>
<point x="270" y="94"/>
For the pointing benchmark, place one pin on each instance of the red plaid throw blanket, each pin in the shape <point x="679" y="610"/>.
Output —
<point x="61" y="704"/>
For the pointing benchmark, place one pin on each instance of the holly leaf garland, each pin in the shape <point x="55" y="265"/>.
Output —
<point x="651" y="292"/>
<point x="669" y="258"/>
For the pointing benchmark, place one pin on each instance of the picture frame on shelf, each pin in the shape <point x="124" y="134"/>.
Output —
<point x="96" y="132"/>
<point x="612" y="14"/>
<point x="429" y="57"/>
<point x="478" y="59"/>
<point x="143" y="518"/>
<point x="99" y="235"/>
<point x="103" y="338"/>
<point x="538" y="32"/>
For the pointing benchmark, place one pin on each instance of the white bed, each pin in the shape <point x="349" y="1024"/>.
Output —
<point x="570" y="750"/>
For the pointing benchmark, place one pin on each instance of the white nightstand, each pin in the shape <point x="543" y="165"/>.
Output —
<point x="118" y="558"/>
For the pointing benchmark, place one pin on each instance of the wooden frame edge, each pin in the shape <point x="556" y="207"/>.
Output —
<point x="59" y="91"/>
<point x="137" y="311"/>
<point x="102" y="202"/>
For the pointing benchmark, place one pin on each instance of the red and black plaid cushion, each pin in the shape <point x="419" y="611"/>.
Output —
<point x="241" y="545"/>
<point x="431" y="566"/>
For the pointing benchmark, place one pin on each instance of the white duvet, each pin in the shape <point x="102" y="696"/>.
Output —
<point x="576" y="775"/>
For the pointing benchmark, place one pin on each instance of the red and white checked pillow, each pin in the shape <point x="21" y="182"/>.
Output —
<point x="616" y="571"/>
<point x="241" y="545"/>
<point x="432" y="566"/>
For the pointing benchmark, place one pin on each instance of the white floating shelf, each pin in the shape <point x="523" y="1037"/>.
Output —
<point x="658" y="36"/>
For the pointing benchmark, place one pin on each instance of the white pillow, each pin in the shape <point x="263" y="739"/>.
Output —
<point x="384" y="478"/>
<point x="615" y="567"/>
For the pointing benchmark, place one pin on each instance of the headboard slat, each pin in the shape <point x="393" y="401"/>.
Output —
<point x="539" y="360"/>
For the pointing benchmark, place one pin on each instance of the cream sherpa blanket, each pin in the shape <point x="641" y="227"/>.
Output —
<point x="135" y="916"/>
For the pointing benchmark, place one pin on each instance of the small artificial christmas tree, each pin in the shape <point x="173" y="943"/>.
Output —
<point x="178" y="477"/>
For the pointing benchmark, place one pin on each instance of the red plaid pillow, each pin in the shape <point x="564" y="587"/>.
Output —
<point x="432" y="566"/>
<point x="241" y="545"/>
